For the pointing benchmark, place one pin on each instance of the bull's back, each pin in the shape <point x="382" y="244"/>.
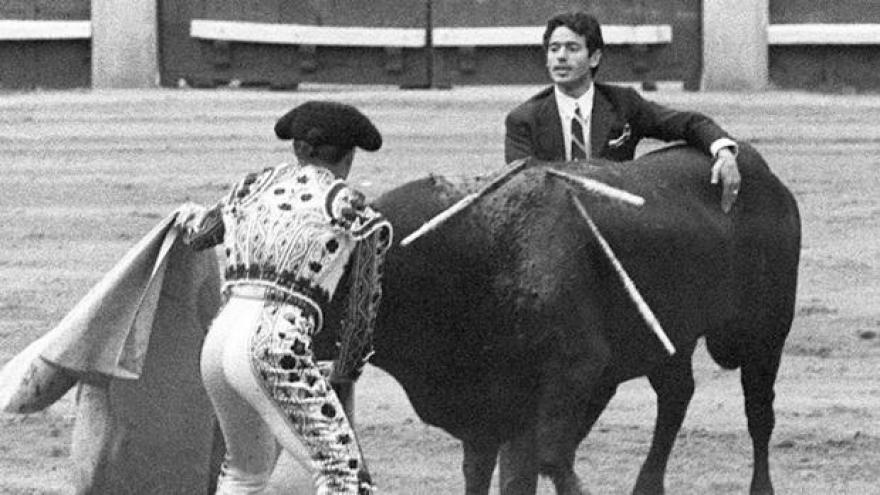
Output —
<point x="697" y="267"/>
<point x="455" y="300"/>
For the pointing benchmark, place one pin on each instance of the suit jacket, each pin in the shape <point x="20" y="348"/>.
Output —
<point x="620" y="119"/>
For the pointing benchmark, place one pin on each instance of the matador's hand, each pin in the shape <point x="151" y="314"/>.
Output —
<point x="187" y="212"/>
<point x="726" y="169"/>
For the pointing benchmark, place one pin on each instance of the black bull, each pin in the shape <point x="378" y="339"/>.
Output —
<point x="509" y="325"/>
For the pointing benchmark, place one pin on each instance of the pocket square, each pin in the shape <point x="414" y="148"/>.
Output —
<point x="619" y="140"/>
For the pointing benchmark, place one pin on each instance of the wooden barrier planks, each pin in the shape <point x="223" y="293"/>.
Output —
<point x="30" y="30"/>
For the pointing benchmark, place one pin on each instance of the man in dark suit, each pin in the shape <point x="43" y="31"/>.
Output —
<point x="577" y="118"/>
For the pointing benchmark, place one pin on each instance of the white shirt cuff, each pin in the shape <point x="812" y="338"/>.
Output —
<point x="716" y="146"/>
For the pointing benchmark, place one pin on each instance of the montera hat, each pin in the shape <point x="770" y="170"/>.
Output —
<point x="328" y="122"/>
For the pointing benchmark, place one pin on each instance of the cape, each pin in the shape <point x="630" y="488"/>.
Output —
<point x="107" y="333"/>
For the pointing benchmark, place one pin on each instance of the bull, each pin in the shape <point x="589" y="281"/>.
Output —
<point x="508" y="326"/>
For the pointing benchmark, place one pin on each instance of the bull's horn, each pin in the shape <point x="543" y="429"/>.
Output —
<point x="628" y="284"/>
<point x="599" y="187"/>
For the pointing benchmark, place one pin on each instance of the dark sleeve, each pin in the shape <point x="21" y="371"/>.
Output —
<point x="660" y="122"/>
<point x="365" y="293"/>
<point x="208" y="231"/>
<point x="517" y="138"/>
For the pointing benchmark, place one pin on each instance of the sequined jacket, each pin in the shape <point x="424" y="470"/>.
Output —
<point x="296" y="228"/>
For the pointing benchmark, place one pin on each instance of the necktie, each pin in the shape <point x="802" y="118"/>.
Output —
<point x="578" y="148"/>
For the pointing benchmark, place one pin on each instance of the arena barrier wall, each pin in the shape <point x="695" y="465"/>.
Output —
<point x="829" y="46"/>
<point x="45" y="44"/>
<point x="499" y="41"/>
<point x="439" y="43"/>
<point x="282" y="43"/>
<point x="795" y="44"/>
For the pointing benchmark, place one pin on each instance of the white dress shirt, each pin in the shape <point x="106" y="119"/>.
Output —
<point x="566" y="105"/>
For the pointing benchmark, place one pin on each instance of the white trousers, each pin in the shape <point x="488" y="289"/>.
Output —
<point x="266" y="389"/>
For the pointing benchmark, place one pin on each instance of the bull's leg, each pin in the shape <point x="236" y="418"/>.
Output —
<point x="569" y="484"/>
<point x="568" y="380"/>
<point x="478" y="465"/>
<point x="673" y="382"/>
<point x="518" y="465"/>
<point x="518" y="468"/>
<point x="758" y="377"/>
<point x="772" y="266"/>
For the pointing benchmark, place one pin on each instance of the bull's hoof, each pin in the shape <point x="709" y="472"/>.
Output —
<point x="763" y="490"/>
<point x="519" y="485"/>
<point x="568" y="484"/>
<point x="761" y="484"/>
<point x="649" y="484"/>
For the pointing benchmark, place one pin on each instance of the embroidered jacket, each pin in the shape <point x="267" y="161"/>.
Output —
<point x="296" y="228"/>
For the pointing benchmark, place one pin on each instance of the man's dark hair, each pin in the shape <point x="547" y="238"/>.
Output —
<point x="580" y="23"/>
<point x="330" y="153"/>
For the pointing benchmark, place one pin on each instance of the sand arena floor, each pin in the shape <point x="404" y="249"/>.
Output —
<point x="86" y="174"/>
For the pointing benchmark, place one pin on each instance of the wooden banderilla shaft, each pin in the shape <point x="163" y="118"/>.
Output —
<point x="597" y="187"/>
<point x="628" y="284"/>
<point x="464" y="203"/>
